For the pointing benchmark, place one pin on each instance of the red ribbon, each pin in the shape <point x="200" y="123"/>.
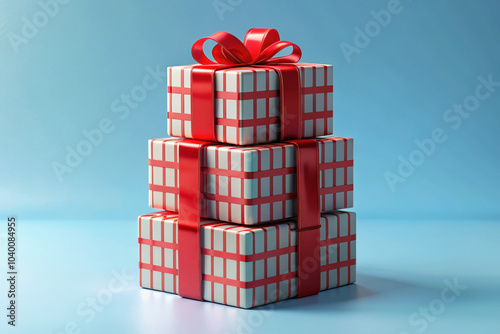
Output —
<point x="189" y="218"/>
<point x="308" y="220"/>
<point x="258" y="49"/>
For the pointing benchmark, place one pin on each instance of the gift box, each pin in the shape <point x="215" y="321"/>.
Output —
<point x="246" y="266"/>
<point x="247" y="103"/>
<point x="251" y="185"/>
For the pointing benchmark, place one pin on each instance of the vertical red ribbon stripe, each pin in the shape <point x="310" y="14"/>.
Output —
<point x="308" y="219"/>
<point x="203" y="102"/>
<point x="189" y="218"/>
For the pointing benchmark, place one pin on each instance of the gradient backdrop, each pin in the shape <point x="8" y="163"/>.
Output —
<point x="64" y="79"/>
<point x="65" y="69"/>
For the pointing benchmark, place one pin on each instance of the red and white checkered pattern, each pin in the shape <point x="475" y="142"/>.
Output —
<point x="251" y="185"/>
<point x="247" y="103"/>
<point x="246" y="266"/>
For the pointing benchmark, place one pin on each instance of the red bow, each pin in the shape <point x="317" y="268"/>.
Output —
<point x="258" y="47"/>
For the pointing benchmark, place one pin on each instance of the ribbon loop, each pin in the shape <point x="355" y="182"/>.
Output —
<point x="257" y="40"/>
<point x="267" y="55"/>
<point x="230" y="50"/>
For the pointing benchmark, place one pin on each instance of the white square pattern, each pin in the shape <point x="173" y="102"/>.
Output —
<point x="246" y="266"/>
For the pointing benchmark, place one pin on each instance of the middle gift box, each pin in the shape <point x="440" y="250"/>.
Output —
<point x="251" y="184"/>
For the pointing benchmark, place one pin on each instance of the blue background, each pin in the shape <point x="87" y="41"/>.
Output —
<point x="65" y="76"/>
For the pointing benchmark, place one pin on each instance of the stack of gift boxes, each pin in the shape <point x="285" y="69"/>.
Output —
<point x="251" y="188"/>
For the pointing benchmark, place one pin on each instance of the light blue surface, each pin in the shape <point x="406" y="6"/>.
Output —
<point x="68" y="76"/>
<point x="402" y="267"/>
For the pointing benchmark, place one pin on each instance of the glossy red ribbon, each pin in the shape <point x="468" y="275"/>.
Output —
<point x="309" y="215"/>
<point x="308" y="220"/>
<point x="189" y="218"/>
<point x="257" y="49"/>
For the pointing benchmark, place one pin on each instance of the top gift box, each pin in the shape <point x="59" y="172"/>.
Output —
<point x="248" y="96"/>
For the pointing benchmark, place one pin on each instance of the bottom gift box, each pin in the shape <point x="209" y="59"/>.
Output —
<point x="246" y="266"/>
